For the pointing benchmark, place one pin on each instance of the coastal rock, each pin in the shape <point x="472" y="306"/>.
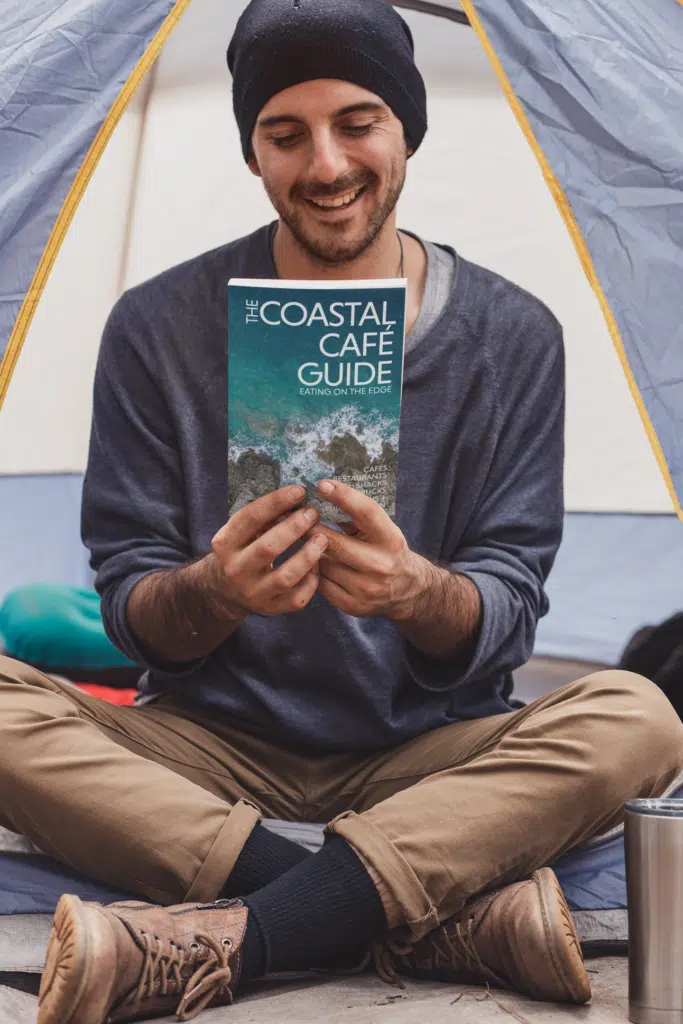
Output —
<point x="388" y="458"/>
<point x="250" y="477"/>
<point x="353" y="466"/>
<point x="255" y="474"/>
<point x="384" y="472"/>
<point x="345" y="453"/>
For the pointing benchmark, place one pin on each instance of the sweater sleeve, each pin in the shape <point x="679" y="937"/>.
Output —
<point x="133" y="517"/>
<point x="510" y="545"/>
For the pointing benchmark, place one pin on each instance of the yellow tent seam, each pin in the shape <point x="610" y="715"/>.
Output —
<point x="579" y="242"/>
<point x="76" y="192"/>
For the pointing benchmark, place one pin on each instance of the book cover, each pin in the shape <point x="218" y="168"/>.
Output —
<point x="315" y="382"/>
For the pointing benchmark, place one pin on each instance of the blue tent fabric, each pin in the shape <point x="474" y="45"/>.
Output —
<point x="40" y="530"/>
<point x="595" y="878"/>
<point x="601" y="83"/>
<point x="63" y="64"/>
<point x="33" y="885"/>
<point x="599" y="598"/>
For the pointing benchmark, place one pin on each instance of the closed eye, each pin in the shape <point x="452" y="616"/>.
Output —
<point x="356" y="131"/>
<point x="285" y="141"/>
<point x="359" y="129"/>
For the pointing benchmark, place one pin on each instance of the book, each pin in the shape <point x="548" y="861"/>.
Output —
<point x="315" y="384"/>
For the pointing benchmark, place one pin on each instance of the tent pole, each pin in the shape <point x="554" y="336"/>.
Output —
<point x="135" y="185"/>
<point x="428" y="7"/>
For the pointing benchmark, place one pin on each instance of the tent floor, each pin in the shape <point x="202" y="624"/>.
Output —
<point x="367" y="1000"/>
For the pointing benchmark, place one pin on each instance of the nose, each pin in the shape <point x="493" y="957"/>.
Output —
<point x="329" y="160"/>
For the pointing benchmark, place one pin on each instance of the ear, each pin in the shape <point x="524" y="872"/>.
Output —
<point x="253" y="165"/>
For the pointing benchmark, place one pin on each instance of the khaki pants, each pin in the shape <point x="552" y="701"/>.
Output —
<point x="159" y="800"/>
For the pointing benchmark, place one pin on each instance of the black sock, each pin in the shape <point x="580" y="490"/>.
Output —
<point x="264" y="857"/>
<point x="323" y="913"/>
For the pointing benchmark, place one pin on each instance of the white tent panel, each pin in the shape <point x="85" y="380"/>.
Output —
<point x="194" y="191"/>
<point x="475" y="184"/>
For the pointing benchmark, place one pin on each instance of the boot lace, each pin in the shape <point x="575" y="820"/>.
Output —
<point x="451" y="947"/>
<point x="165" y="969"/>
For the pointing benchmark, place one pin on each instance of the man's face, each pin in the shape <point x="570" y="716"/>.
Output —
<point x="332" y="157"/>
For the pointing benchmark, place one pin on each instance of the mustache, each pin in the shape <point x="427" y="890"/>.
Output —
<point x="338" y="187"/>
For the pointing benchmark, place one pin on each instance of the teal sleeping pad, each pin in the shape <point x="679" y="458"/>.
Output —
<point x="56" y="626"/>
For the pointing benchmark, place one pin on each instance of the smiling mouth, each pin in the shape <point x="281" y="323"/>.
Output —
<point x="342" y="202"/>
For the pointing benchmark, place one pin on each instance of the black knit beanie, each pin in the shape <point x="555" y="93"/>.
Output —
<point x="281" y="43"/>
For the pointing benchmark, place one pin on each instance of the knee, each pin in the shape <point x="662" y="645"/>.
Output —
<point x="27" y="699"/>
<point x="638" y="726"/>
<point x="14" y="672"/>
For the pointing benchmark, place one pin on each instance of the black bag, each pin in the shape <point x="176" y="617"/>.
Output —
<point x="656" y="652"/>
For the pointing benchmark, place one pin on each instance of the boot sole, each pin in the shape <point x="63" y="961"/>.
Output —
<point x="563" y="942"/>
<point x="80" y="953"/>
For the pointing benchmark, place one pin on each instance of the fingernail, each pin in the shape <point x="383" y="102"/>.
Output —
<point x="296" y="492"/>
<point x="321" y="542"/>
<point x="326" y="487"/>
<point x="311" y="514"/>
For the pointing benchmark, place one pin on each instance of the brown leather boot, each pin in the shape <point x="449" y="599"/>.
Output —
<point x="521" y="937"/>
<point x="131" y="961"/>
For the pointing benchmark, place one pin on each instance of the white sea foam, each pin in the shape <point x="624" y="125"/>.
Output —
<point x="297" y="450"/>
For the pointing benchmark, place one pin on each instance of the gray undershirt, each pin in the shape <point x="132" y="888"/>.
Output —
<point x="439" y="287"/>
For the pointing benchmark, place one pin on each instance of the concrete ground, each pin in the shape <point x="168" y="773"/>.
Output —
<point x="367" y="1000"/>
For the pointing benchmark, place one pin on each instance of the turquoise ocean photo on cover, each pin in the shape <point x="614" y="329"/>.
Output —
<point x="315" y="376"/>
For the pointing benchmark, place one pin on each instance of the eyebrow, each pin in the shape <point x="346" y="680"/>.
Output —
<point x="368" y="107"/>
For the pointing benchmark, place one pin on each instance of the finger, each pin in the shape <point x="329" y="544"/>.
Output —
<point x="261" y="554"/>
<point x="357" y="554"/>
<point x="269" y="526"/>
<point x="344" y="530"/>
<point x="295" y="569"/>
<point x="338" y="597"/>
<point x="339" y="574"/>
<point x="283" y="580"/>
<point x="298" y="598"/>
<point x="366" y="514"/>
<point x="242" y="528"/>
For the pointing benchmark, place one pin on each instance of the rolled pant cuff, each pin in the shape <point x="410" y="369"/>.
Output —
<point x="222" y="856"/>
<point x="405" y="901"/>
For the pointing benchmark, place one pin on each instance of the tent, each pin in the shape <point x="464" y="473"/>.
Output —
<point x="554" y="157"/>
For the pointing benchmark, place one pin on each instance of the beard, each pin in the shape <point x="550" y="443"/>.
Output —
<point x="323" y="246"/>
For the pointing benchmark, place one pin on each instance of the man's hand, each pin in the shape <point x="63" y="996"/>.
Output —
<point x="252" y="540"/>
<point x="185" y="614"/>
<point x="368" y="570"/>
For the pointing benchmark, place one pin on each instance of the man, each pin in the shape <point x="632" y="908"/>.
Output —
<point x="360" y="679"/>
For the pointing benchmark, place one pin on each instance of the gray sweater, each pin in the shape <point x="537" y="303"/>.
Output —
<point x="479" y="488"/>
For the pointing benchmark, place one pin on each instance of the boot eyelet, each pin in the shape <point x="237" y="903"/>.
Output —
<point x="195" y="945"/>
<point x="227" y="943"/>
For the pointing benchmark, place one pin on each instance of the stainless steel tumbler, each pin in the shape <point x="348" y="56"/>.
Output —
<point x="654" y="880"/>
